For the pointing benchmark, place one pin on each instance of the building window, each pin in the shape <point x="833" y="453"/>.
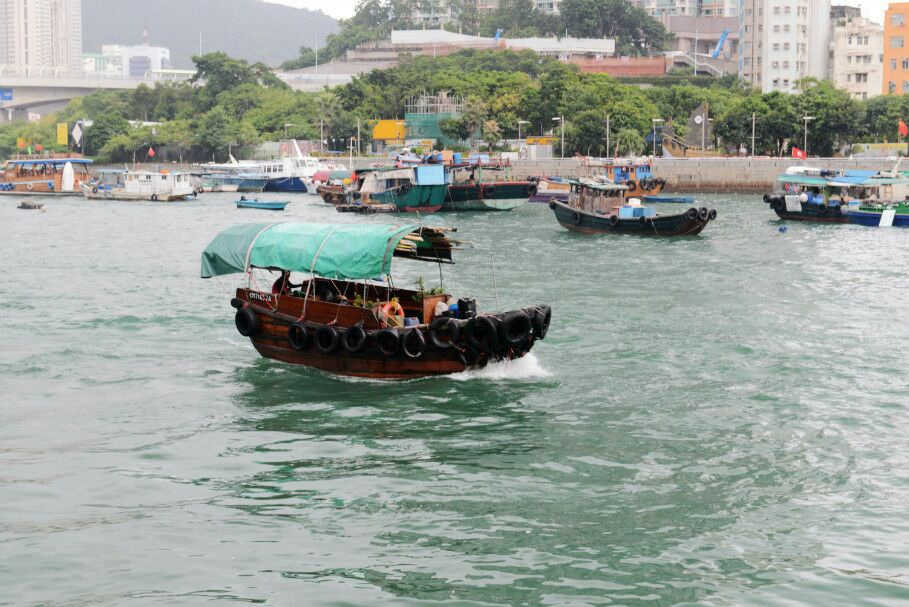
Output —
<point x="896" y="42"/>
<point x="897" y="19"/>
<point x="891" y="87"/>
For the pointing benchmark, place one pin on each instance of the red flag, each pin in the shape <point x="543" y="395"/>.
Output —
<point x="151" y="152"/>
<point x="799" y="153"/>
<point x="904" y="130"/>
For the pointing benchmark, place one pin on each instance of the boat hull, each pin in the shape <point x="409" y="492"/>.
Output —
<point x="414" y="199"/>
<point x="874" y="219"/>
<point x="286" y="184"/>
<point x="117" y="194"/>
<point x="806" y="212"/>
<point x="662" y="225"/>
<point x="487" y="196"/>
<point x="276" y="314"/>
<point x="262" y="206"/>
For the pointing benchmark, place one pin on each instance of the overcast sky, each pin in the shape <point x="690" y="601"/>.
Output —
<point x="874" y="9"/>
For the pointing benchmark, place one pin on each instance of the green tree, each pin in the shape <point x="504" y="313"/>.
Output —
<point x="491" y="133"/>
<point x="105" y="127"/>
<point x="629" y="141"/>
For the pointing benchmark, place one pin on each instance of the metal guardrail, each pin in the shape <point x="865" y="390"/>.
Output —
<point x="54" y="73"/>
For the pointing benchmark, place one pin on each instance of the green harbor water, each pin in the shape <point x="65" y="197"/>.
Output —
<point x="722" y="420"/>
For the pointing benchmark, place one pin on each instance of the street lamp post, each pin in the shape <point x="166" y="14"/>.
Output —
<point x="561" y="121"/>
<point x="520" y="122"/>
<point x="655" y="121"/>
<point x="807" y="120"/>
<point x="608" y="116"/>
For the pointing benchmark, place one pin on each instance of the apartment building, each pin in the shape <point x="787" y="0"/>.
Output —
<point x="783" y="42"/>
<point x="689" y="8"/>
<point x="857" y="56"/>
<point x="896" y="52"/>
<point x="41" y="34"/>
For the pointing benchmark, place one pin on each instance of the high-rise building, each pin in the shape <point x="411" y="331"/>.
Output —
<point x="784" y="41"/>
<point x="896" y="53"/>
<point x="42" y="34"/>
<point x="856" y="56"/>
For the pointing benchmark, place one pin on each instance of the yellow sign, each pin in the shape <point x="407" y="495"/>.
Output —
<point x="62" y="134"/>
<point x="20" y="143"/>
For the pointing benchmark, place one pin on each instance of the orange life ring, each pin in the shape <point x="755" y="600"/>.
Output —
<point x="393" y="306"/>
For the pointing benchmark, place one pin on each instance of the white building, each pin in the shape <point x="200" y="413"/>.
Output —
<point x="857" y="57"/>
<point x="41" y="35"/>
<point x="135" y="61"/>
<point x="784" y="41"/>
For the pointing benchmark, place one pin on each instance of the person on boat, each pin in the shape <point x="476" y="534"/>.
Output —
<point x="282" y="285"/>
<point x="242" y="198"/>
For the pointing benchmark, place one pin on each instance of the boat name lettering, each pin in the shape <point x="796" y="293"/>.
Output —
<point x="260" y="297"/>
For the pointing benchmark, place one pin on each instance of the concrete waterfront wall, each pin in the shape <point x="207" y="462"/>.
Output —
<point x="699" y="175"/>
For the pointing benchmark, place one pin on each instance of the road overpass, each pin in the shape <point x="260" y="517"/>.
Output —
<point x="29" y="91"/>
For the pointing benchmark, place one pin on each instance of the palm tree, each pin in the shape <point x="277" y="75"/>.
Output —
<point x="629" y="141"/>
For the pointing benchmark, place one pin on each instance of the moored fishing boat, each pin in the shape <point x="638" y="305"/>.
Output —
<point x="45" y="175"/>
<point x="551" y="188"/>
<point x="232" y="182"/>
<point x="597" y="207"/>
<point x="341" y="320"/>
<point x="479" y="187"/>
<point x="164" y="186"/>
<point x="340" y="188"/>
<point x="881" y="215"/>
<point x="634" y="173"/>
<point x="419" y="189"/>
<point x="826" y="196"/>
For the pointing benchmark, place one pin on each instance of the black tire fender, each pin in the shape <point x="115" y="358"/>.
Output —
<point x="712" y="215"/>
<point x="516" y="327"/>
<point x="552" y="205"/>
<point x="531" y="189"/>
<point x="613" y="220"/>
<point x="768" y="198"/>
<point x="575" y="218"/>
<point x="703" y="214"/>
<point x="442" y="326"/>
<point x="643" y="221"/>
<point x="95" y="190"/>
<point x="482" y="334"/>
<point x="489" y="190"/>
<point x="354" y="339"/>
<point x="413" y="343"/>
<point x="541" y="320"/>
<point x="154" y="197"/>
<point x="247" y="322"/>
<point x="631" y="185"/>
<point x="327" y="339"/>
<point x="691" y="213"/>
<point x="237" y="303"/>
<point x="298" y="335"/>
<point x="388" y="341"/>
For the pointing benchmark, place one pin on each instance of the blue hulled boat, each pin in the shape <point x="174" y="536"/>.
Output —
<point x="264" y="205"/>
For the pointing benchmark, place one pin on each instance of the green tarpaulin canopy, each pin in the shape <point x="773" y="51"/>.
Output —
<point x="352" y="251"/>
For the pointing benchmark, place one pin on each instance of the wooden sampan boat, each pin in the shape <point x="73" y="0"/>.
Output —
<point x="596" y="207"/>
<point x="341" y="321"/>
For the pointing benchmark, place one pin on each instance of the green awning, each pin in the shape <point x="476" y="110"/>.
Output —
<point x="803" y="180"/>
<point x="349" y="251"/>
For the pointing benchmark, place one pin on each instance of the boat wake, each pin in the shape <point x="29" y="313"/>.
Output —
<point x="527" y="367"/>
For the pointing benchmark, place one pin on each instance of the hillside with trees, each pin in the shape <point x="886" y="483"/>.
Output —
<point x="234" y="104"/>
<point x="635" y="32"/>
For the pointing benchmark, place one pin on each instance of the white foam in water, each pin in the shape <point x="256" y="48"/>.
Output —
<point x="527" y="367"/>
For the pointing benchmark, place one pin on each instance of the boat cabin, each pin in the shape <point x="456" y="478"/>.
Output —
<point x="45" y="175"/>
<point x="596" y="196"/>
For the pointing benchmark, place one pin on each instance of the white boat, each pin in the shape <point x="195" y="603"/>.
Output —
<point x="288" y="174"/>
<point x="165" y="186"/>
